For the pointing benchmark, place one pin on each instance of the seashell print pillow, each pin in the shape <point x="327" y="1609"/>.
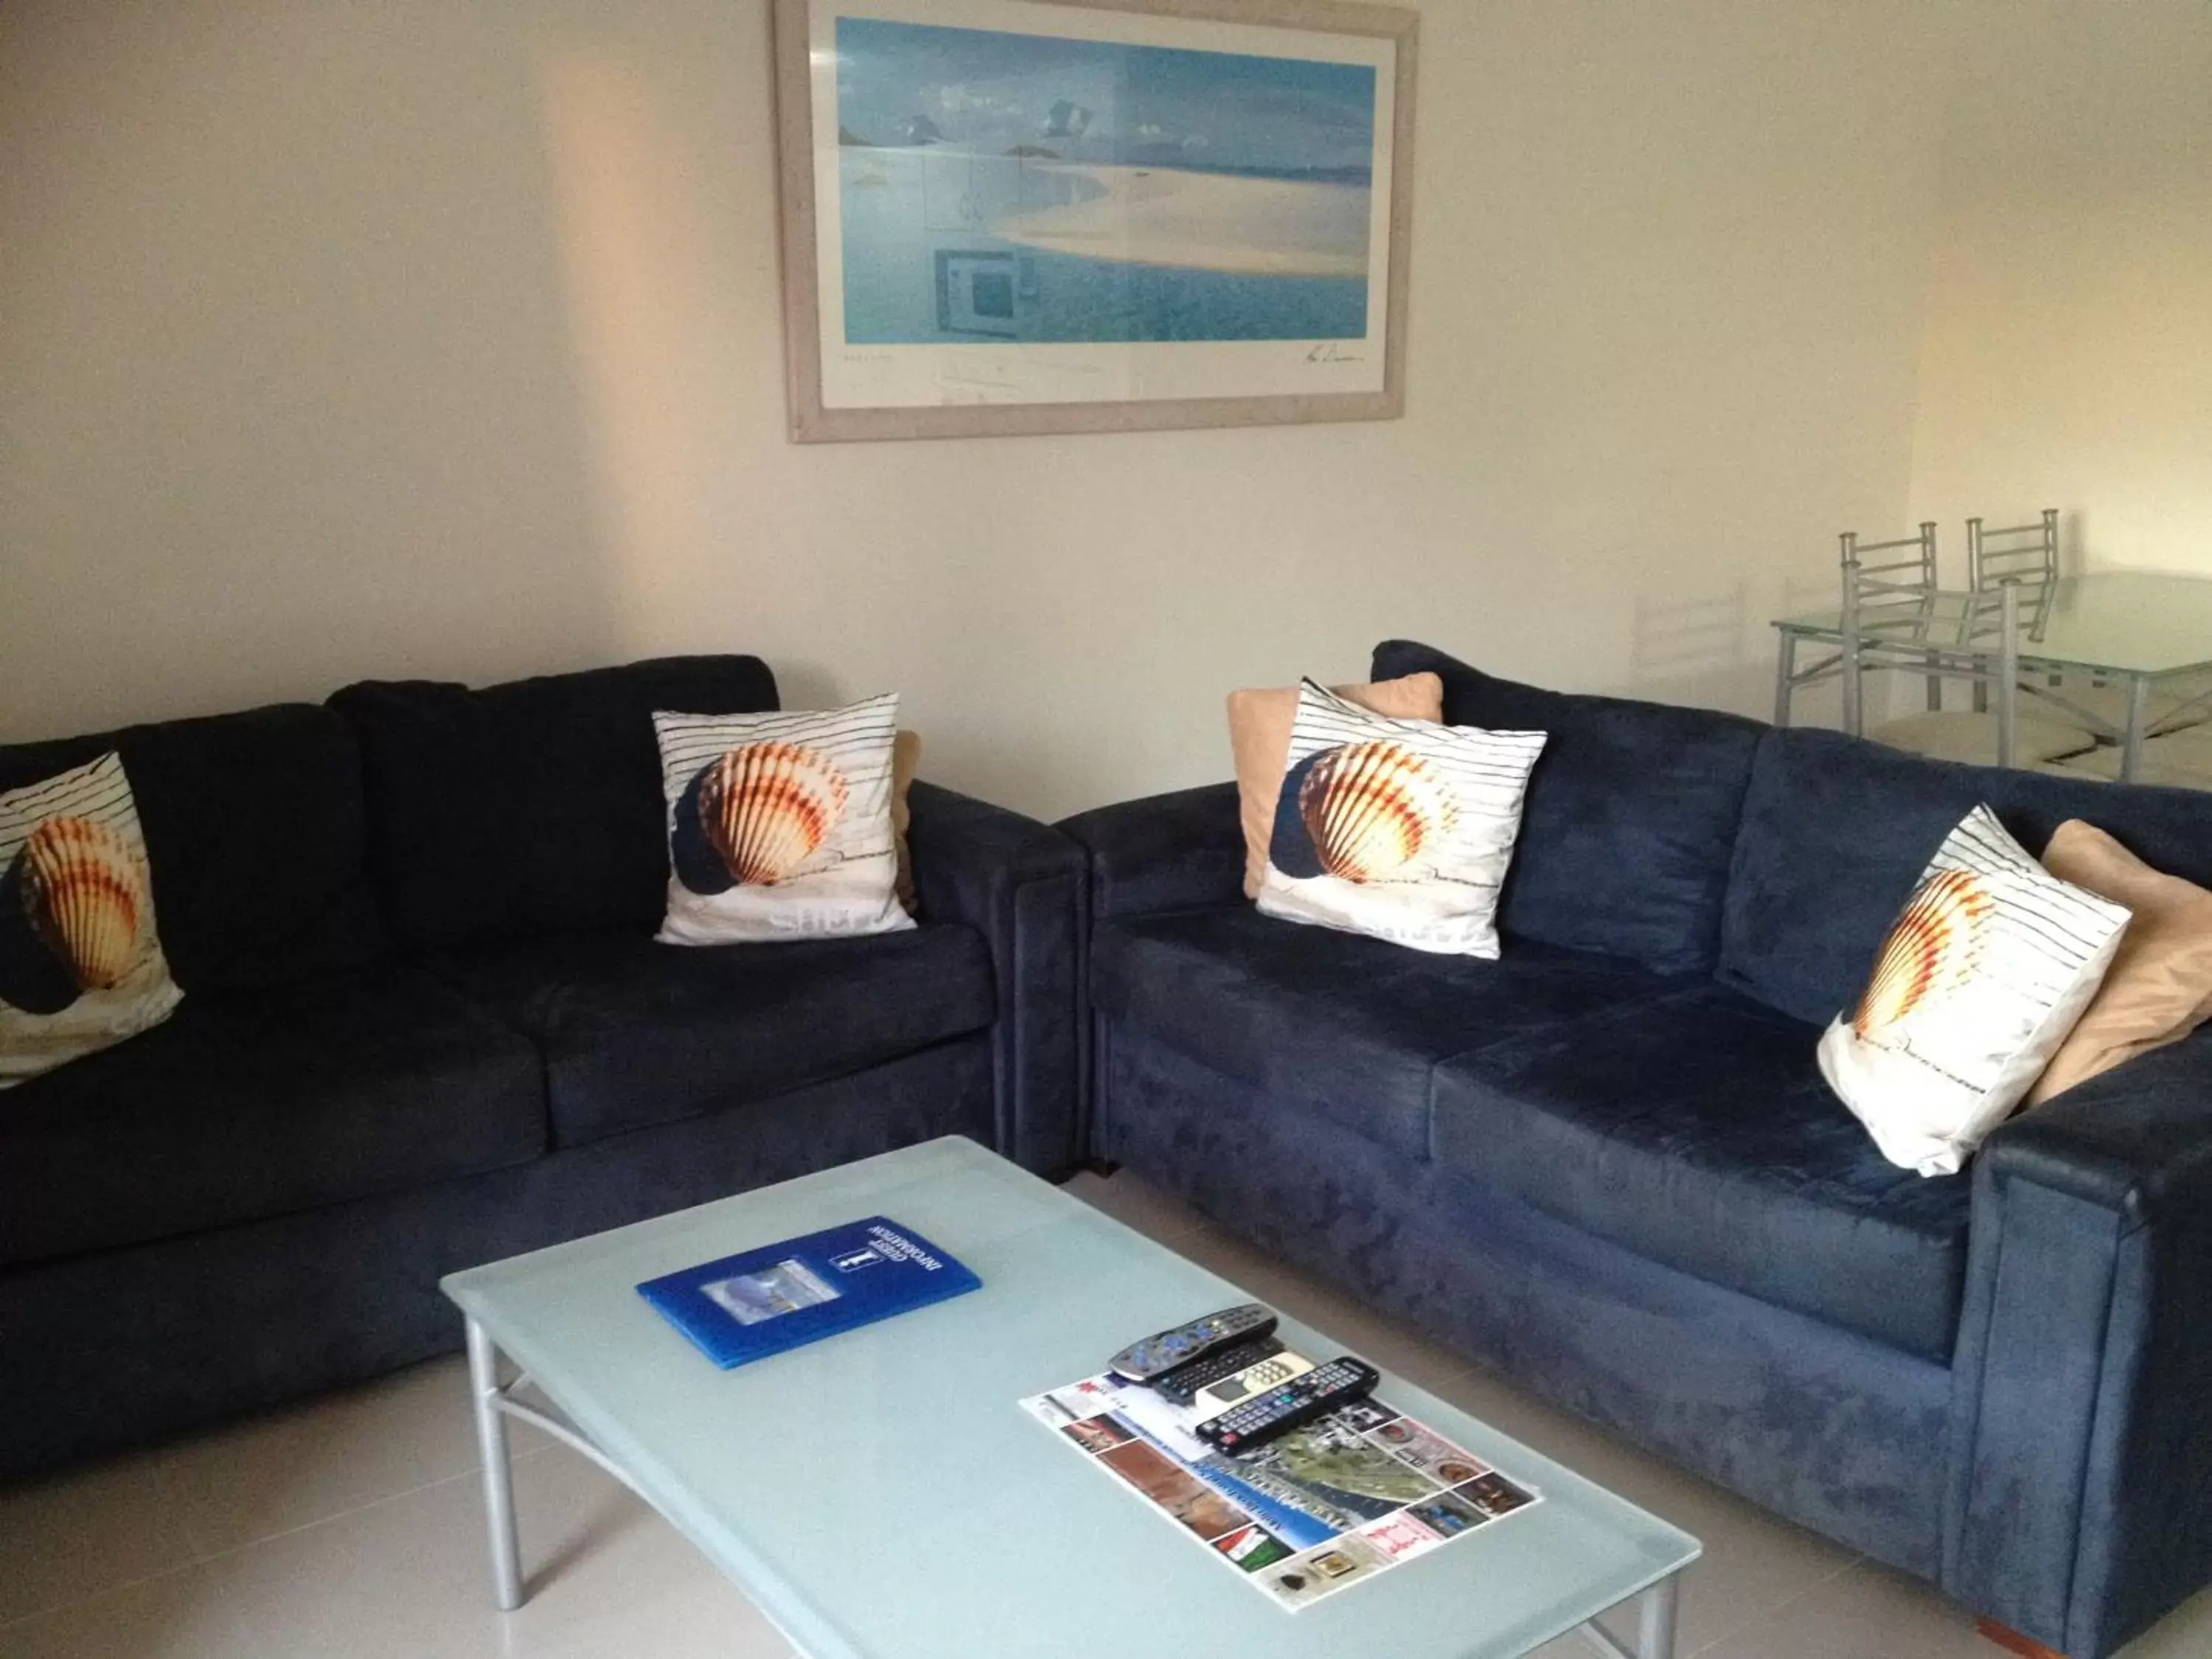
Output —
<point x="779" y="826"/>
<point x="81" y="962"/>
<point x="1988" y="966"/>
<point x="1402" y="829"/>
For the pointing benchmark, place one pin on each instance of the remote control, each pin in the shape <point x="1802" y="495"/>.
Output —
<point x="1182" y="1384"/>
<point x="1252" y="1381"/>
<point x="1163" y="1351"/>
<point x="1298" y="1402"/>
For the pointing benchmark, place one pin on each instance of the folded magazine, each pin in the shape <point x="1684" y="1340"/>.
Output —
<point x="746" y="1307"/>
<point x="1344" y="1498"/>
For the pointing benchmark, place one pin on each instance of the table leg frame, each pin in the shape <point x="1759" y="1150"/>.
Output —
<point x="494" y="1402"/>
<point x="1654" y="1624"/>
<point x="487" y="1395"/>
<point x="2131" y="740"/>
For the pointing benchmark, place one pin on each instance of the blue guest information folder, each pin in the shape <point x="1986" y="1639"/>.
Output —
<point x="744" y="1308"/>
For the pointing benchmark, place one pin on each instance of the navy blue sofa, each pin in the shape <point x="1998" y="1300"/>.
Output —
<point x="426" y="1025"/>
<point x="1606" y="1164"/>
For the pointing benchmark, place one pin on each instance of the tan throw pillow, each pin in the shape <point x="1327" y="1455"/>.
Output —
<point x="906" y="756"/>
<point x="1259" y="725"/>
<point x="2159" y="988"/>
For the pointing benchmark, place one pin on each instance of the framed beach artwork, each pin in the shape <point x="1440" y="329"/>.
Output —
<point x="1076" y="216"/>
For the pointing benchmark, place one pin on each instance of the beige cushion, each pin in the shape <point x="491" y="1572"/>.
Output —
<point x="1260" y="737"/>
<point x="2170" y="705"/>
<point x="2159" y="988"/>
<point x="2180" y="760"/>
<point x="906" y="756"/>
<point x="1972" y="739"/>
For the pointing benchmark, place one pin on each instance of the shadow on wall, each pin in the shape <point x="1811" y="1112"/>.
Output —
<point x="306" y="326"/>
<point x="1718" y="648"/>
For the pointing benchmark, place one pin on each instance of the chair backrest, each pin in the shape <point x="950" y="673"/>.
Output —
<point x="2024" y="553"/>
<point x="1889" y="594"/>
<point x="1891" y="582"/>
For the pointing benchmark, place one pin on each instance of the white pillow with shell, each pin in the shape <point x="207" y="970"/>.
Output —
<point x="781" y="825"/>
<point x="1402" y="829"/>
<point x="1987" y="968"/>
<point x="80" y="961"/>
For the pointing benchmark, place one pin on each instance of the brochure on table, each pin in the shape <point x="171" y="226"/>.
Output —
<point x="741" y="1307"/>
<point x="1345" y="1498"/>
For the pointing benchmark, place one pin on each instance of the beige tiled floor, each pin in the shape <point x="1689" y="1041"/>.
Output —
<point x="350" y="1528"/>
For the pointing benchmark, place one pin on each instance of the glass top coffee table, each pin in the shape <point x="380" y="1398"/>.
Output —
<point x="882" y="1494"/>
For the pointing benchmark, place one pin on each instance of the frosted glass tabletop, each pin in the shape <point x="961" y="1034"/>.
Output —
<point x="2123" y="622"/>
<point x="882" y="1494"/>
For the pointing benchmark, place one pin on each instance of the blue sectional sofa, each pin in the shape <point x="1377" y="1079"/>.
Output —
<point x="426" y="1025"/>
<point x="1606" y="1164"/>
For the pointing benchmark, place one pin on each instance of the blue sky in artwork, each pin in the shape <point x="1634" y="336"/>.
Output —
<point x="901" y="84"/>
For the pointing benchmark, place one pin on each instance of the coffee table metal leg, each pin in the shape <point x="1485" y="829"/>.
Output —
<point x="499" y="1487"/>
<point x="1655" y="1625"/>
<point x="1654" y="1620"/>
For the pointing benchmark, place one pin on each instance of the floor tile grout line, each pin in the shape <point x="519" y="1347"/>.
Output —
<point x="473" y="1473"/>
<point x="200" y="1557"/>
<point x="1766" y="1614"/>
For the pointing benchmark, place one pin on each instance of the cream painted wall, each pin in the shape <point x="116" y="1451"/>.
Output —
<point x="2067" y="355"/>
<point x="441" y="338"/>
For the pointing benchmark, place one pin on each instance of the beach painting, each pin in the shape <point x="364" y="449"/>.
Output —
<point x="1020" y="204"/>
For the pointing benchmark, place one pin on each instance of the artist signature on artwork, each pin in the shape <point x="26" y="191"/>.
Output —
<point x="1330" y="352"/>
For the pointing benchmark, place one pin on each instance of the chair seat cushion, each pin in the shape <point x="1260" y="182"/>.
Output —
<point x="248" y="1105"/>
<point x="1696" y="1130"/>
<point x="634" y="1032"/>
<point x="1349" y="1026"/>
<point x="1971" y="739"/>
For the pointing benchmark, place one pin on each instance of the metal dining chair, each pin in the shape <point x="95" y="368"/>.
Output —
<point x="2028" y="553"/>
<point x="1889" y="588"/>
<point x="1896" y="621"/>
<point x="2025" y="554"/>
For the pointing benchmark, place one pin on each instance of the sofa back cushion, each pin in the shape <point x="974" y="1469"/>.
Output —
<point x="254" y="836"/>
<point x="530" y="807"/>
<point x="1836" y="833"/>
<point x="1631" y="817"/>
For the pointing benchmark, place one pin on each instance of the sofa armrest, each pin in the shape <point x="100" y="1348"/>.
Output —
<point x="1183" y="851"/>
<point x="2081" y="1449"/>
<point x="1022" y="885"/>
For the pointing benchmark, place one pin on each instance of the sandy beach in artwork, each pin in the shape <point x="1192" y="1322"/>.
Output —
<point x="1216" y="222"/>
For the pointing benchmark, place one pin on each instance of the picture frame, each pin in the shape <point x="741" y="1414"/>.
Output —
<point x="1016" y="216"/>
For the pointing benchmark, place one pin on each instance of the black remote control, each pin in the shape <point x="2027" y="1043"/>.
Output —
<point x="1182" y="1384"/>
<point x="1299" y="1400"/>
<point x="1163" y="1351"/>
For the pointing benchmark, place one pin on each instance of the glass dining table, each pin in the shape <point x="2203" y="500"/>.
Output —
<point x="2140" y="633"/>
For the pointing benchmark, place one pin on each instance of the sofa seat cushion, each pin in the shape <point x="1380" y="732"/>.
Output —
<point x="1696" y="1130"/>
<point x="634" y="1032"/>
<point x="1346" y="1026"/>
<point x="247" y="1105"/>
